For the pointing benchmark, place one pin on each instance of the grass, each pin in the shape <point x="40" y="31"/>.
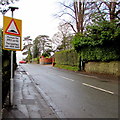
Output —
<point x="67" y="67"/>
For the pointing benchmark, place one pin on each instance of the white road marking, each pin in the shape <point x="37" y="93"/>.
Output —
<point x="88" y="76"/>
<point x="98" y="88"/>
<point x="67" y="78"/>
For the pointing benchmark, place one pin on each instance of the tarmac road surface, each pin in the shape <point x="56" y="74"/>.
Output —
<point x="74" y="95"/>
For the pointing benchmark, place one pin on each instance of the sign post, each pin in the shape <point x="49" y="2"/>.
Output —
<point x="12" y="31"/>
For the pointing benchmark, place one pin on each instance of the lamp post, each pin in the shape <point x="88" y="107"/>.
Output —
<point x="11" y="80"/>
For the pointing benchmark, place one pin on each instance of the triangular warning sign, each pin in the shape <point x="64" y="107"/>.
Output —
<point x="12" y="28"/>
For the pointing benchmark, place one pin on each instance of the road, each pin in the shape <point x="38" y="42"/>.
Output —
<point x="74" y="95"/>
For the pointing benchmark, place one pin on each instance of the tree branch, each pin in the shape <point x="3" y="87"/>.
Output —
<point x="69" y="7"/>
<point x="66" y="14"/>
<point x="72" y="27"/>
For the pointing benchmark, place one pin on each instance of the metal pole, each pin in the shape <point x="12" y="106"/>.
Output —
<point x="11" y="80"/>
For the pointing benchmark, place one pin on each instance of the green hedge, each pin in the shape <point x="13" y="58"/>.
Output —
<point x="67" y="57"/>
<point x="71" y="57"/>
<point x="100" y="54"/>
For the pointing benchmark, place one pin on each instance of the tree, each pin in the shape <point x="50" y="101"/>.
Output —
<point x="35" y="51"/>
<point x="64" y="29"/>
<point x="42" y="44"/>
<point x="99" y="42"/>
<point x="62" y="39"/>
<point x="80" y="11"/>
<point x="36" y="48"/>
<point x="113" y="10"/>
<point x="29" y="57"/>
<point x="56" y="40"/>
<point x="27" y="48"/>
<point x="107" y="10"/>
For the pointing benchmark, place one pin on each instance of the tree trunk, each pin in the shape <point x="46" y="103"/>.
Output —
<point x="112" y="10"/>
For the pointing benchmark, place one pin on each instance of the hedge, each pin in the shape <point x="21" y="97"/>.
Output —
<point x="100" y="54"/>
<point x="67" y="57"/>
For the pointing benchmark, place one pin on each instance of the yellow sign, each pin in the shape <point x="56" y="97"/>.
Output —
<point x="12" y="33"/>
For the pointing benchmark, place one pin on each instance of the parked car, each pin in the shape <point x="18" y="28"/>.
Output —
<point x="22" y="62"/>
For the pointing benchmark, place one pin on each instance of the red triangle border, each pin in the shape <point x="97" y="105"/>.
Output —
<point x="15" y="26"/>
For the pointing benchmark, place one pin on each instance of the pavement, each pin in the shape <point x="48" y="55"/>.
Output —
<point x="28" y="102"/>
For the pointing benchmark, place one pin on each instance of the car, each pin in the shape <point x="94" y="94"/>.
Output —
<point x="22" y="62"/>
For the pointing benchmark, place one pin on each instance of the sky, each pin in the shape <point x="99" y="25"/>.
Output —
<point x="37" y="18"/>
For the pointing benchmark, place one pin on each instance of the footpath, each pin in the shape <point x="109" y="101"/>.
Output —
<point x="27" y="101"/>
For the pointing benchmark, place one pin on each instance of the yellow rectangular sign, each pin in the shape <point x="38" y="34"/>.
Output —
<point x="12" y="33"/>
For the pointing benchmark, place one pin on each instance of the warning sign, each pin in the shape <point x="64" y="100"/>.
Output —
<point x="12" y="28"/>
<point x="12" y="32"/>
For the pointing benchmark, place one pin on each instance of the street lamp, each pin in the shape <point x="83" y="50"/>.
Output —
<point x="13" y="9"/>
<point x="5" y="10"/>
<point x="11" y="80"/>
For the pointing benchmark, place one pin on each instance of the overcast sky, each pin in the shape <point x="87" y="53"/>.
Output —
<point x="37" y="17"/>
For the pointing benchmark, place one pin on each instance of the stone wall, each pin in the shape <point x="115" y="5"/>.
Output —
<point x="112" y="67"/>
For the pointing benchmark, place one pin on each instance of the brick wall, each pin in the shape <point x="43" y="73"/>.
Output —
<point x="45" y="61"/>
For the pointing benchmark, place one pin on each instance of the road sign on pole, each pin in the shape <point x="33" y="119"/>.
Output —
<point x="12" y="33"/>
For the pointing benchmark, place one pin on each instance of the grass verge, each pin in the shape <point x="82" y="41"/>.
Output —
<point x="67" y="67"/>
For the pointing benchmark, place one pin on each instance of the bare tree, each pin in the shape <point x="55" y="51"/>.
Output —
<point x="56" y="40"/>
<point x="65" y="29"/>
<point x="62" y="38"/>
<point x="108" y="10"/>
<point x="113" y="10"/>
<point x="82" y="12"/>
<point x="79" y="11"/>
